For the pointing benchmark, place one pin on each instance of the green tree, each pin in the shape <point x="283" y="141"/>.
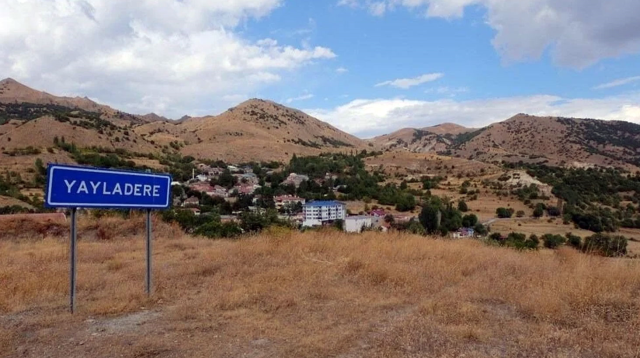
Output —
<point x="480" y="229"/>
<point x="462" y="206"/>
<point x="429" y="218"/>
<point x="469" y="220"/>
<point x="504" y="213"/>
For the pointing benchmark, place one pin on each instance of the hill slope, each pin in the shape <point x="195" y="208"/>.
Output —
<point x="552" y="140"/>
<point x="557" y="141"/>
<point x="254" y="130"/>
<point x="438" y="138"/>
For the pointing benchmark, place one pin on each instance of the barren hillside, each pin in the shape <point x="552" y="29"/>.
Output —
<point x="438" y="138"/>
<point x="557" y="141"/>
<point x="552" y="140"/>
<point x="254" y="130"/>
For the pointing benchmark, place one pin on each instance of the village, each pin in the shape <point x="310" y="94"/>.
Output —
<point x="291" y="208"/>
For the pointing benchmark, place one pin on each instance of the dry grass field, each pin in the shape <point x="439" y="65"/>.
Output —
<point x="317" y="294"/>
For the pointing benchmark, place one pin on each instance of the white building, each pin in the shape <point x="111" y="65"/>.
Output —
<point x="355" y="224"/>
<point x="318" y="212"/>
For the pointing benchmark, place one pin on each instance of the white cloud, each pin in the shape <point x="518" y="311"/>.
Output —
<point x="619" y="82"/>
<point x="578" y="33"/>
<point x="349" y="3"/>
<point x="447" y="90"/>
<point x="342" y="70"/>
<point x="371" y="117"/>
<point x="378" y="8"/>
<point x="166" y="56"/>
<point x="406" y="83"/>
<point x="303" y="97"/>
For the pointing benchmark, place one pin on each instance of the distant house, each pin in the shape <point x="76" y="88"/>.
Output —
<point x="233" y="168"/>
<point x="400" y="218"/>
<point x="201" y="187"/>
<point x="295" y="179"/>
<point x="355" y="224"/>
<point x="247" y="178"/>
<point x="219" y="191"/>
<point x="284" y="200"/>
<point x="378" y="213"/>
<point x="317" y="213"/>
<point x="246" y="189"/>
<point x="463" y="233"/>
<point x="192" y="201"/>
<point x="202" y="177"/>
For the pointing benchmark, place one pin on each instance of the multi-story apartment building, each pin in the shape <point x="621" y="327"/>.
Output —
<point x="318" y="212"/>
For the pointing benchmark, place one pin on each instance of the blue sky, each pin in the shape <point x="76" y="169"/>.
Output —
<point x="368" y="67"/>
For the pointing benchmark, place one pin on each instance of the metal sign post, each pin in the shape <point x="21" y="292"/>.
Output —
<point x="148" y="281"/>
<point x="73" y="258"/>
<point x="82" y="187"/>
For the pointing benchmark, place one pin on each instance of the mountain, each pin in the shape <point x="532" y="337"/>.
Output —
<point x="31" y="118"/>
<point x="12" y="91"/>
<point x="254" y="130"/>
<point x="438" y="138"/>
<point x="556" y="141"/>
<point x="552" y="140"/>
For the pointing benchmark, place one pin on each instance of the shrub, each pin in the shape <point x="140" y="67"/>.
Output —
<point x="469" y="220"/>
<point x="553" y="241"/>
<point x="574" y="240"/>
<point x="605" y="245"/>
<point x="462" y="206"/>
<point x="538" y="212"/>
<point x="553" y="211"/>
<point x="215" y="229"/>
<point x="520" y="213"/>
<point x="504" y="213"/>
<point x="480" y="229"/>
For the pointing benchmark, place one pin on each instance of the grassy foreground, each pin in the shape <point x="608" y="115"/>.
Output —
<point x="285" y="294"/>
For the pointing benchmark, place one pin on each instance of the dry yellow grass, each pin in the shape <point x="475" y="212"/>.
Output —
<point x="317" y="294"/>
<point x="538" y="227"/>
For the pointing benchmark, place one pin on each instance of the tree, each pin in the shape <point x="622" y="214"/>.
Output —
<point x="480" y="229"/>
<point x="574" y="240"/>
<point x="553" y="211"/>
<point x="40" y="168"/>
<point x="429" y="218"/>
<point x="605" y="245"/>
<point x="406" y="202"/>
<point x="504" y="213"/>
<point x="226" y="179"/>
<point x="538" y="212"/>
<point x="462" y="206"/>
<point x="469" y="220"/>
<point x="553" y="241"/>
<point x="416" y="228"/>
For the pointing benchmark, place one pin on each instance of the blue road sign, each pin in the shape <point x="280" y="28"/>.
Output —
<point x="85" y="187"/>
